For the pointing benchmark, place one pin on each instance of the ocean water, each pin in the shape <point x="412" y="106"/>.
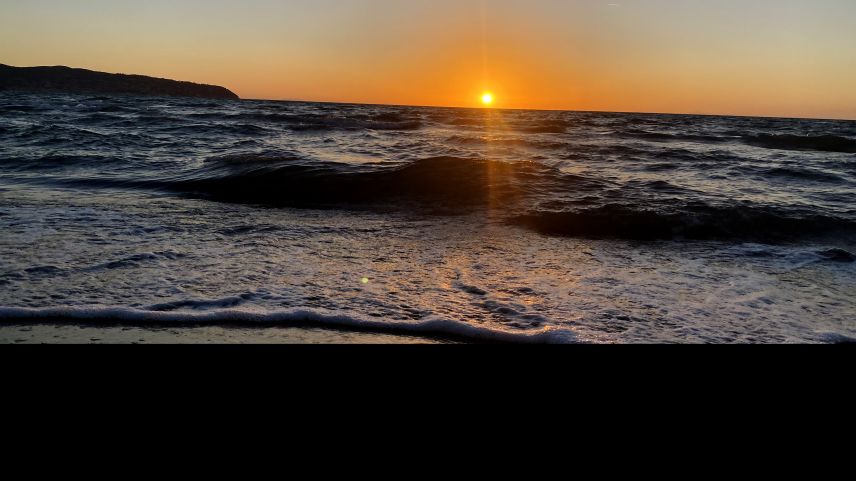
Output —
<point x="517" y="226"/>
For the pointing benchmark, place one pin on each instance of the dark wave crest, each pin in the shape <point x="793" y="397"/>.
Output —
<point x="670" y="137"/>
<point x="820" y="143"/>
<point x="547" y="127"/>
<point x="693" y="222"/>
<point x="508" y="142"/>
<point x="288" y="180"/>
<point x="318" y="122"/>
<point x="801" y="174"/>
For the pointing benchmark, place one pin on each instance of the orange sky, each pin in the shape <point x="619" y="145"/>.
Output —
<point x="745" y="57"/>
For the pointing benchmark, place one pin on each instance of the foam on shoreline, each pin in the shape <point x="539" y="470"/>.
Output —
<point x="429" y="327"/>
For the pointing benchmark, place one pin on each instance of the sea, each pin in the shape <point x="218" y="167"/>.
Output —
<point x="484" y="225"/>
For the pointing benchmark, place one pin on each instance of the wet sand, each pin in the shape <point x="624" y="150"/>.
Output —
<point x="71" y="334"/>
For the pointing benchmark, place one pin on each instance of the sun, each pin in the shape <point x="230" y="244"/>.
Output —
<point x="487" y="99"/>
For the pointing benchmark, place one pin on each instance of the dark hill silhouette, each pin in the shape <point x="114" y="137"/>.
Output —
<point x="74" y="80"/>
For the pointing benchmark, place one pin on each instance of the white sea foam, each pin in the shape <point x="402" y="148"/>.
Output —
<point x="429" y="327"/>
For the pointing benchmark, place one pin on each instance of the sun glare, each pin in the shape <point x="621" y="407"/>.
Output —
<point x="487" y="99"/>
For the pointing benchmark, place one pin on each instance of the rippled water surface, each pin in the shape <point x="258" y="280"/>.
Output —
<point x="507" y="225"/>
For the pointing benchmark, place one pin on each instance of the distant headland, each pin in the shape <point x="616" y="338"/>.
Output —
<point x="75" y="80"/>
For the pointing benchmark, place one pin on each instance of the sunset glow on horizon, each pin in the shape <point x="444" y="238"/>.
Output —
<point x="793" y="58"/>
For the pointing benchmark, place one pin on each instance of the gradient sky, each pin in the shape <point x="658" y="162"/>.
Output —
<point x="745" y="57"/>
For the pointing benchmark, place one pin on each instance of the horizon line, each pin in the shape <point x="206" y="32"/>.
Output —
<point x="369" y="104"/>
<point x="748" y="116"/>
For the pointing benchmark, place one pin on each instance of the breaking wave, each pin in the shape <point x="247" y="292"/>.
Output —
<point x="573" y="174"/>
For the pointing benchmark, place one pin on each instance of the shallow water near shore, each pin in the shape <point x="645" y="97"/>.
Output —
<point x="510" y="226"/>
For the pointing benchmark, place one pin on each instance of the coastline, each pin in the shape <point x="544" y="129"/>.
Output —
<point x="48" y="332"/>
